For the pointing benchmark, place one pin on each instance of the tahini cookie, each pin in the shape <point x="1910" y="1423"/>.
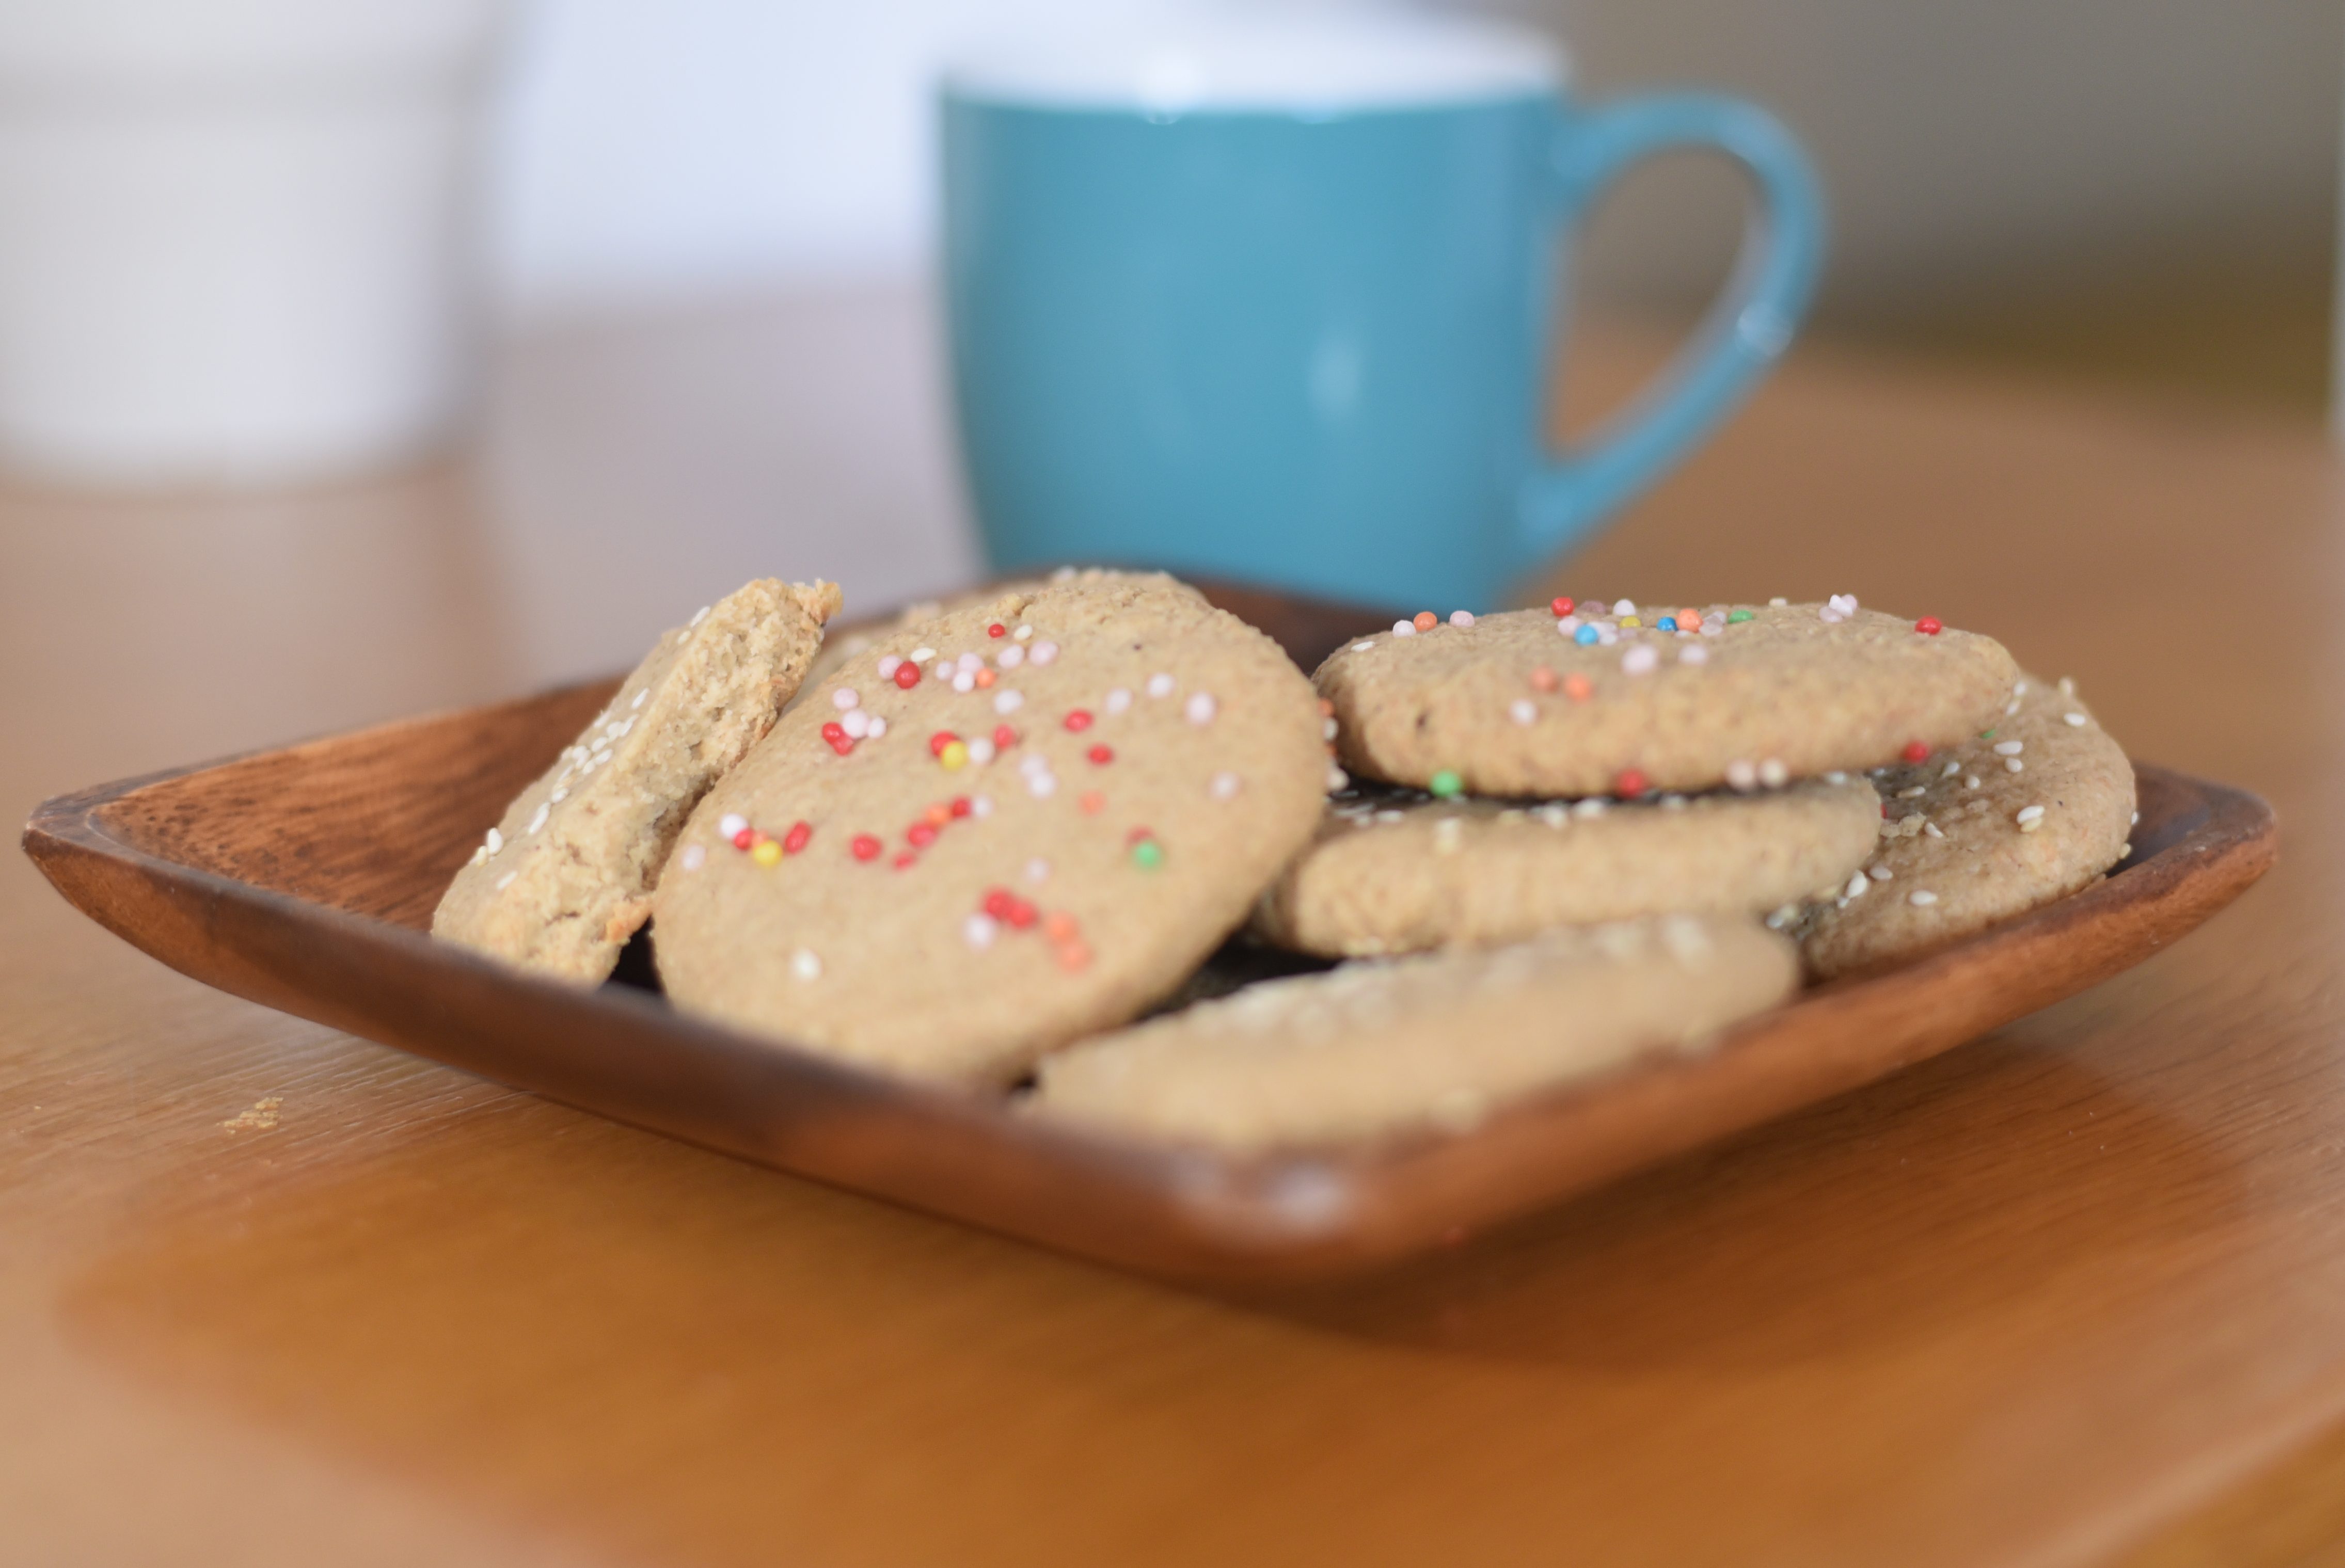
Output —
<point x="1591" y="700"/>
<point x="997" y="831"/>
<point x="2034" y="806"/>
<point x="560" y="883"/>
<point x="1434" y="1041"/>
<point x="1399" y="872"/>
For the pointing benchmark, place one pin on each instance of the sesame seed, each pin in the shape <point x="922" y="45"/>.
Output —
<point x="558" y="796"/>
<point x="1878" y="873"/>
<point x="1951" y="769"/>
<point x="639" y="697"/>
<point x="1362" y="647"/>
<point x="699" y="615"/>
<point x="496" y="841"/>
<point x="2076" y="721"/>
<point x="1921" y="897"/>
<point x="1778" y="602"/>
<point x="1913" y="791"/>
<point x="922" y="655"/>
<point x="506" y="880"/>
<point x="1932" y="829"/>
<point x="1022" y="633"/>
<point x="2013" y="765"/>
<point x="1856" y="885"/>
<point x="2030" y="813"/>
<point x="538" y="821"/>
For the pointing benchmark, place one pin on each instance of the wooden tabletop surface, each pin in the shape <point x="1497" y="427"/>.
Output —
<point x="270" y="1294"/>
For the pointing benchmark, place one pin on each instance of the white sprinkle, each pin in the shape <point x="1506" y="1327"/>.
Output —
<point x="1037" y="870"/>
<point x="1568" y="625"/>
<point x="1041" y="786"/>
<point x="981" y="806"/>
<point x="599" y="758"/>
<point x="922" y="655"/>
<point x="1404" y="627"/>
<point x="1044" y="652"/>
<point x="1673" y="802"/>
<point x="695" y="855"/>
<point x="1693" y="654"/>
<point x="1835" y="777"/>
<point x="1199" y="708"/>
<point x="972" y="663"/>
<point x="1117" y="701"/>
<point x="1160" y="684"/>
<point x="978" y="931"/>
<point x="1779" y="601"/>
<point x="1224" y="786"/>
<point x="806" y="964"/>
<point x="844" y="698"/>
<point x="2134" y="821"/>
<point x="980" y="750"/>
<point x="1622" y="607"/>
<point x="2018" y="689"/>
<point x="1921" y="897"/>
<point x="731" y="825"/>
<point x="1639" y="660"/>
<point x="1522" y="709"/>
<point x="506" y="880"/>
<point x="1327" y="729"/>
<point x="639" y="697"/>
<point x="855" y="722"/>
<point x="2013" y="765"/>
<point x="1594" y="805"/>
<point x="1606" y="635"/>
<point x="480" y="855"/>
<point x="1555" y="813"/>
<point x="2010" y="710"/>
<point x="1362" y="647"/>
<point x="888" y="666"/>
<point x="538" y="821"/>
<point x="496" y="841"/>
<point x="1007" y="702"/>
<point x="1391" y="818"/>
<point x="698" y="616"/>
<point x="964" y="681"/>
<point x="1064" y="574"/>
<point x="1828" y="616"/>
<point x="878" y="726"/>
<point x="2030" y="813"/>
<point x="1337" y="780"/>
<point x="1742" y="774"/>
<point x="1033" y="762"/>
<point x="1843" y="603"/>
<point x="1461" y="618"/>
<point x="1856" y="885"/>
<point x="1773" y="773"/>
<point x="1010" y="658"/>
<point x="2125" y="849"/>
<point x="2076" y="721"/>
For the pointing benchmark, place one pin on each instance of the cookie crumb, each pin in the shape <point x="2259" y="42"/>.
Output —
<point x="261" y="1117"/>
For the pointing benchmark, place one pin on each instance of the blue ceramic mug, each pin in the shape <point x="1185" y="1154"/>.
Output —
<point x="1269" y="296"/>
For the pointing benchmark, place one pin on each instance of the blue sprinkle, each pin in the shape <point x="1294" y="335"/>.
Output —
<point x="1666" y="624"/>
<point x="1585" y="636"/>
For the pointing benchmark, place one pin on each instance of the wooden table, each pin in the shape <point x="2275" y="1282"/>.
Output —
<point x="2075" y="1293"/>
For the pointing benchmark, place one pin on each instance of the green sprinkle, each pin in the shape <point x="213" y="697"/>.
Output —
<point x="1987" y="735"/>
<point x="1447" y="783"/>
<point x="1734" y="616"/>
<point x="1148" y="854"/>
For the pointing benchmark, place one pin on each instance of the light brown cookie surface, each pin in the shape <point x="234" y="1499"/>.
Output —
<point x="1433" y="1041"/>
<point x="2033" y="810"/>
<point x="560" y="883"/>
<point x="1080" y="793"/>
<point x="1400" y="873"/>
<point x="1514" y="704"/>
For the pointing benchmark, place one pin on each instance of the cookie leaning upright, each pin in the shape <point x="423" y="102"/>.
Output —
<point x="1000" y="830"/>
<point x="1530" y="704"/>
<point x="562" y="881"/>
<point x="2032" y="809"/>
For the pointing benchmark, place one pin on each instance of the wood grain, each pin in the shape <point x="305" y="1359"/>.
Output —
<point x="2066" y="1294"/>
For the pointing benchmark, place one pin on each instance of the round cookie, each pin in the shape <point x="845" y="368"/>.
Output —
<point x="1529" y="704"/>
<point x="1001" y="829"/>
<point x="562" y="881"/>
<point x="848" y="643"/>
<point x="1433" y="1041"/>
<point x="2032" y="809"/>
<point x="1400" y="873"/>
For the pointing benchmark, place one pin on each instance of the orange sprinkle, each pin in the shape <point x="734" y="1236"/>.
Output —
<point x="1578" y="687"/>
<point x="1327" y="708"/>
<point x="1059" y="927"/>
<point x="1092" y="802"/>
<point x="937" y="815"/>
<point x="1543" y="679"/>
<point x="1425" y="621"/>
<point x="1688" y="619"/>
<point x="1073" y="956"/>
<point x="984" y="678"/>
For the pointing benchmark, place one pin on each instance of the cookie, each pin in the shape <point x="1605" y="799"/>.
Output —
<point x="2033" y="808"/>
<point x="1399" y="873"/>
<point x="1434" y="1041"/>
<point x="1605" y="700"/>
<point x="1001" y="829"/>
<point x="562" y="881"/>
<point x="848" y="644"/>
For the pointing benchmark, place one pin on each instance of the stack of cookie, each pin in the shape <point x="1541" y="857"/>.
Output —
<point x="986" y="839"/>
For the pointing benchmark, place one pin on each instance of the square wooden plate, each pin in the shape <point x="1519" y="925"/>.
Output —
<point x="304" y="878"/>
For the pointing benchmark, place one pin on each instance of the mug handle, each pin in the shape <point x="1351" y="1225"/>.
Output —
<point x="1751" y="325"/>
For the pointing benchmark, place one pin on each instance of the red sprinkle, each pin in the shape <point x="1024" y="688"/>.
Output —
<point x="840" y="741"/>
<point x="998" y="901"/>
<point x="746" y="839"/>
<point x="1562" y="607"/>
<point x="1929" y="626"/>
<point x="1630" y="784"/>
<point x="1102" y="755"/>
<point x="1020" y="915"/>
<point x="1917" y="751"/>
<point x="905" y="859"/>
<point x="1004" y="737"/>
<point x="1091" y="802"/>
<point x="796" y="839"/>
<point x="996" y="629"/>
<point x="961" y="806"/>
<point x="907" y="674"/>
<point x="939" y="741"/>
<point x="920" y="834"/>
<point x="1138" y="835"/>
<point x="1080" y="718"/>
<point x="865" y="846"/>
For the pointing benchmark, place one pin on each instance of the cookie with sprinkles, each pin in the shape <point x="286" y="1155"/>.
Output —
<point x="844" y="645"/>
<point x="999" y="829"/>
<point x="2033" y="807"/>
<point x="1432" y="1043"/>
<point x="1400" y="872"/>
<point x="562" y="881"/>
<point x="1593" y="699"/>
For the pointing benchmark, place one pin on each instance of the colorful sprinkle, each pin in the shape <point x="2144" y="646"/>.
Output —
<point x="1929" y="626"/>
<point x="731" y="825"/>
<point x="844" y="698"/>
<point x="996" y="629"/>
<point x="1079" y="720"/>
<point x="906" y="675"/>
<point x="1578" y="687"/>
<point x="1148" y="854"/>
<point x="955" y="756"/>
<point x="919" y="836"/>
<point x="1201" y="708"/>
<point x="840" y="741"/>
<point x="1733" y="616"/>
<point x="864" y="846"/>
<point x="1425" y="621"/>
<point x="1461" y="618"/>
<point x="1561" y="606"/>
<point x="1666" y="624"/>
<point x="797" y="838"/>
<point x="1629" y="784"/>
<point x="939" y="741"/>
<point x="1100" y="756"/>
<point x="1446" y="783"/>
<point x="1091" y="802"/>
<point x="1404" y="629"/>
<point x="767" y="854"/>
<point x="1917" y="751"/>
<point x="1586" y="636"/>
<point x="1004" y="737"/>
<point x="1543" y="679"/>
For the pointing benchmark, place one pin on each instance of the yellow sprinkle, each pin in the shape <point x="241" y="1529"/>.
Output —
<point x="954" y="755"/>
<point x="769" y="852"/>
<point x="1631" y="621"/>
